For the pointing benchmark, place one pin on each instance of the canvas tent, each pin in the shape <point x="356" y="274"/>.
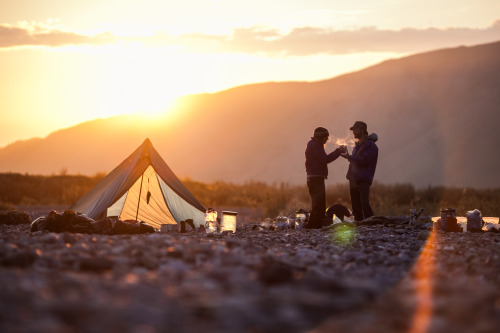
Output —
<point x="142" y="188"/>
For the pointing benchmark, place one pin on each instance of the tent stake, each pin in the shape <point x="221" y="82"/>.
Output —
<point x="139" y="201"/>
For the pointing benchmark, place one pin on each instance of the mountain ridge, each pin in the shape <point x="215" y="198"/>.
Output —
<point x="430" y="110"/>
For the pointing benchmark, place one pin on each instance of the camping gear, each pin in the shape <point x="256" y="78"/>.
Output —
<point x="228" y="221"/>
<point x="452" y="224"/>
<point x="187" y="226"/>
<point x="210" y="221"/>
<point x="336" y="220"/>
<point x="474" y="220"/>
<point x="445" y="213"/>
<point x="338" y="210"/>
<point x="301" y="217"/>
<point x="166" y="228"/>
<point x="72" y="222"/>
<point x="282" y="222"/>
<point x="143" y="188"/>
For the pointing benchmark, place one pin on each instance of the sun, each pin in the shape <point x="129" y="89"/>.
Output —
<point x="134" y="78"/>
<point x="159" y="112"/>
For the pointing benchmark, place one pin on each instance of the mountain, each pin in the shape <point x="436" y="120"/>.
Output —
<point x="436" y="115"/>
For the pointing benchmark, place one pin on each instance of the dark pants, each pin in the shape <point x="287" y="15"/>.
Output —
<point x="360" y="200"/>
<point x="316" y="186"/>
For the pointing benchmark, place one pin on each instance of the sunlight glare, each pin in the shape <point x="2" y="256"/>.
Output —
<point x="145" y="80"/>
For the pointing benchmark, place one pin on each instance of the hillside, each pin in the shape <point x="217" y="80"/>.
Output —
<point x="436" y="115"/>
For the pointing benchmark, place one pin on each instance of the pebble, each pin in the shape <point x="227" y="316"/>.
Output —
<point x="272" y="280"/>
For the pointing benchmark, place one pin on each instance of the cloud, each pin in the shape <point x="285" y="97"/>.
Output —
<point x="306" y="41"/>
<point x="312" y="40"/>
<point x="35" y="35"/>
<point x="301" y="41"/>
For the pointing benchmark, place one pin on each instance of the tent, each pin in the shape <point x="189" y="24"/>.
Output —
<point x="142" y="188"/>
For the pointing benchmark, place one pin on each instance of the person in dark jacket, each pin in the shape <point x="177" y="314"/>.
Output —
<point x="362" y="165"/>
<point x="317" y="171"/>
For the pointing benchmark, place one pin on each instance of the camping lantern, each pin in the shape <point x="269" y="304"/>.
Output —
<point x="211" y="221"/>
<point x="228" y="222"/>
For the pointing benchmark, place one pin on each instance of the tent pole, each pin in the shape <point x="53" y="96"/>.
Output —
<point x="139" y="201"/>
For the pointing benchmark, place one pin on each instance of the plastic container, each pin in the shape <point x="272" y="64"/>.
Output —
<point x="228" y="221"/>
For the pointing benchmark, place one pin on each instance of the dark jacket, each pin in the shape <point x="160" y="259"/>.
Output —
<point x="363" y="160"/>
<point x="317" y="159"/>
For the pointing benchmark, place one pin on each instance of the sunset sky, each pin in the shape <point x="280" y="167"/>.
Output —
<point x="64" y="62"/>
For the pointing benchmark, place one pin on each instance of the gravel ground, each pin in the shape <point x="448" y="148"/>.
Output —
<point x="385" y="277"/>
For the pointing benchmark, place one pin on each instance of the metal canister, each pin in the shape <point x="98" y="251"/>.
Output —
<point x="445" y="213"/>
<point x="228" y="222"/>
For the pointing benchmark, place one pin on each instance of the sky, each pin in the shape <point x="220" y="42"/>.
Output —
<point x="65" y="62"/>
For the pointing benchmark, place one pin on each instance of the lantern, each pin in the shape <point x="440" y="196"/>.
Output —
<point x="211" y="221"/>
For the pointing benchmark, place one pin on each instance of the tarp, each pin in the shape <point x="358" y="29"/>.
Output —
<point x="124" y="192"/>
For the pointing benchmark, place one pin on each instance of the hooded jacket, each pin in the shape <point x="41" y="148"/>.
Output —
<point x="363" y="160"/>
<point x="317" y="160"/>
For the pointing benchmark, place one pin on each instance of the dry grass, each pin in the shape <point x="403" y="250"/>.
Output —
<point x="44" y="193"/>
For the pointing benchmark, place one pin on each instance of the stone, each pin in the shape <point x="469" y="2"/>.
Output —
<point x="20" y="259"/>
<point x="95" y="264"/>
<point x="273" y="271"/>
<point x="14" y="217"/>
<point x="423" y="235"/>
<point x="248" y="281"/>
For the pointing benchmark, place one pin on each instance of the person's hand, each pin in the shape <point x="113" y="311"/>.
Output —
<point x="344" y="152"/>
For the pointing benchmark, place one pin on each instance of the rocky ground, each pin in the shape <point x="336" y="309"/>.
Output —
<point x="382" y="277"/>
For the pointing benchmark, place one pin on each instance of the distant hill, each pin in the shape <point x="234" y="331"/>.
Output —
<point x="437" y="115"/>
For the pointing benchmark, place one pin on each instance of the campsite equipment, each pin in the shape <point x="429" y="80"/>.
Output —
<point x="300" y="218"/>
<point x="474" y="220"/>
<point x="228" y="222"/>
<point x="282" y="222"/>
<point x="452" y="224"/>
<point x="336" y="220"/>
<point x="445" y="213"/>
<point x="210" y="221"/>
<point x="143" y="188"/>
<point x="338" y="210"/>
<point x="165" y="228"/>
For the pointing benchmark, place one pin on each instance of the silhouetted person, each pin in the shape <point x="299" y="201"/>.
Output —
<point x="362" y="164"/>
<point x="317" y="171"/>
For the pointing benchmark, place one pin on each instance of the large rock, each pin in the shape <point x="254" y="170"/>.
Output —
<point x="14" y="217"/>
